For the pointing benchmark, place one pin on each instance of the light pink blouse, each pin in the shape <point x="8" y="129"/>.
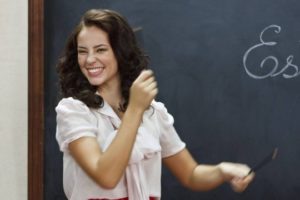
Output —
<point x="156" y="139"/>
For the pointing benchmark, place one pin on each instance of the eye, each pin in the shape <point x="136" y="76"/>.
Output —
<point x="100" y="50"/>
<point x="82" y="52"/>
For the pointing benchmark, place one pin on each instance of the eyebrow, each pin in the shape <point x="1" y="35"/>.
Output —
<point x="97" y="46"/>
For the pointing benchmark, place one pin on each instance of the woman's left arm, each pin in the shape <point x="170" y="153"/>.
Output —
<point x="206" y="177"/>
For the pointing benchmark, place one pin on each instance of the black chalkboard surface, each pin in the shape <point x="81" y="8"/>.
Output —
<point x="228" y="73"/>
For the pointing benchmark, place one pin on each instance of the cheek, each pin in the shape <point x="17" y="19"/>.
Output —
<point x="115" y="63"/>
<point x="81" y="61"/>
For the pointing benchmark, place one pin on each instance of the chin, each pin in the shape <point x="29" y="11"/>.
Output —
<point x="95" y="82"/>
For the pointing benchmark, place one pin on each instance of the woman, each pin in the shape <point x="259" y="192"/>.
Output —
<point x="113" y="134"/>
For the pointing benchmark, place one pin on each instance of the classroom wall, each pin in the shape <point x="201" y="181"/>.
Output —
<point x="13" y="101"/>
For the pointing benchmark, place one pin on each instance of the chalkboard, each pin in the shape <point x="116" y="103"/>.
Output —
<point x="228" y="71"/>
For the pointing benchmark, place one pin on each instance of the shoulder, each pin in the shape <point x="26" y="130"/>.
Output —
<point x="70" y="101"/>
<point x="162" y="111"/>
<point x="157" y="105"/>
<point x="70" y="104"/>
<point x="73" y="120"/>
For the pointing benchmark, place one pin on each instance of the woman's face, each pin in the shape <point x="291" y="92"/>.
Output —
<point x="96" y="58"/>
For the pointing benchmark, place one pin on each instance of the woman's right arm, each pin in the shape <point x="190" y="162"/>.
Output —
<point x="106" y="168"/>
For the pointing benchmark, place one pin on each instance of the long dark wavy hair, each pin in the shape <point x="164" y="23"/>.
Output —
<point x="131" y="59"/>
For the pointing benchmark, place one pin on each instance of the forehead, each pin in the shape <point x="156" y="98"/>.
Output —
<point x="91" y="35"/>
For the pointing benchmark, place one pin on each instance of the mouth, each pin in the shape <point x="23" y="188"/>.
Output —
<point x="93" y="71"/>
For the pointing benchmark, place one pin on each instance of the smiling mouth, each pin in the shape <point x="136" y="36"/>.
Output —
<point x="94" y="71"/>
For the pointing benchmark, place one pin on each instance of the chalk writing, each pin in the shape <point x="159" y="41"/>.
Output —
<point x="289" y="70"/>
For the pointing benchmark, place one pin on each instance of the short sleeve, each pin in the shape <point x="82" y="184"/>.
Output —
<point x="169" y="139"/>
<point x="74" y="120"/>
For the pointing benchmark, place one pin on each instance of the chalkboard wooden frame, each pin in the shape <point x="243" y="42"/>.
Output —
<point x="35" y="98"/>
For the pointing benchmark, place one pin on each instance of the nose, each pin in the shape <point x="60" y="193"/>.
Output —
<point x="91" y="58"/>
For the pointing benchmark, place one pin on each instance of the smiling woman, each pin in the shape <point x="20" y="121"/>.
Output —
<point x="97" y="62"/>
<point x="113" y="134"/>
<point x="90" y="46"/>
<point x="196" y="49"/>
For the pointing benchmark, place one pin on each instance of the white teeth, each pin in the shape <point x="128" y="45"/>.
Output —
<point x="93" y="70"/>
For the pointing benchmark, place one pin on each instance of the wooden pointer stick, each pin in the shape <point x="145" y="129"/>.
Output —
<point x="265" y="161"/>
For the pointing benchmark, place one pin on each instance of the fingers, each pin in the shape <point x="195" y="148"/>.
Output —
<point x="242" y="170"/>
<point x="144" y="75"/>
<point x="231" y="170"/>
<point x="147" y="82"/>
<point x="237" y="175"/>
<point x="237" y="185"/>
<point x="249" y="178"/>
<point x="150" y="84"/>
<point x="240" y="184"/>
<point x="143" y="90"/>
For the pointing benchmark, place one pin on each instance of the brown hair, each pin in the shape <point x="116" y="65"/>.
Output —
<point x="131" y="60"/>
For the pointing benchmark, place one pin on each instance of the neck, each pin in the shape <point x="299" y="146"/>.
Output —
<point x="112" y="95"/>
